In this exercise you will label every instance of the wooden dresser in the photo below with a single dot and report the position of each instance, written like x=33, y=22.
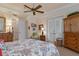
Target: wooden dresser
x=7, y=37
x=71, y=40
x=71, y=32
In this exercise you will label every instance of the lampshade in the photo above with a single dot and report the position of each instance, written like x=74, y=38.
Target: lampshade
x=42, y=29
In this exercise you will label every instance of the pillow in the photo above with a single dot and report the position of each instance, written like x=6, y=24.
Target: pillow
x=4, y=50
x=2, y=44
x=0, y=52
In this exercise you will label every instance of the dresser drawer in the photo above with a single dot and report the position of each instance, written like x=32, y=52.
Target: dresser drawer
x=6, y=37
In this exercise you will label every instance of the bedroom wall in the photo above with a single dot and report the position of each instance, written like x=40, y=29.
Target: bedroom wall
x=36, y=21
x=30, y=21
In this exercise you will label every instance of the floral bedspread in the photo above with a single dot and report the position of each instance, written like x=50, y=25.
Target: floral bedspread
x=31, y=47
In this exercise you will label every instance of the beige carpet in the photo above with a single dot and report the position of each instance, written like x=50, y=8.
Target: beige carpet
x=67, y=52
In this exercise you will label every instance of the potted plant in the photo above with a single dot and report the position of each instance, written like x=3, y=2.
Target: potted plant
x=34, y=35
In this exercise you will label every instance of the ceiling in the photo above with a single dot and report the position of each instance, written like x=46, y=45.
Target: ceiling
x=19, y=7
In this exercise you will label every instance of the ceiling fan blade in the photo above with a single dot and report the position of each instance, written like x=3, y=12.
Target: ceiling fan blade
x=27, y=6
x=27, y=11
x=39, y=6
x=40, y=11
x=34, y=13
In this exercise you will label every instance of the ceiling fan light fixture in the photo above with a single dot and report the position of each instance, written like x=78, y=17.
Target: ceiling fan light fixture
x=34, y=9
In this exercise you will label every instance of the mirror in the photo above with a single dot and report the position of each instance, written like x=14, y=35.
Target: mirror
x=2, y=24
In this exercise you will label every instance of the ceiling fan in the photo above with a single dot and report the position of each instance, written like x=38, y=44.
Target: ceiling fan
x=34, y=9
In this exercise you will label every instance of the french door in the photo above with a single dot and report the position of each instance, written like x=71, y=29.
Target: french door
x=55, y=28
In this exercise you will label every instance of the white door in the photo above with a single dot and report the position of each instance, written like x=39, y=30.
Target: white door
x=51, y=30
x=54, y=29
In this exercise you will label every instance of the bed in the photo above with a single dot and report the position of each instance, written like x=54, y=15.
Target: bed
x=30, y=47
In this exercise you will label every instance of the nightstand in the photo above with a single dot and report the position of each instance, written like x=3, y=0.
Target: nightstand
x=42, y=37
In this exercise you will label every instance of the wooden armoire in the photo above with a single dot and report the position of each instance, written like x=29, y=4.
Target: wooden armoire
x=71, y=32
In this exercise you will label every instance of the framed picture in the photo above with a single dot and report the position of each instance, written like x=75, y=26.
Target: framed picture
x=34, y=29
x=33, y=25
x=40, y=26
x=2, y=24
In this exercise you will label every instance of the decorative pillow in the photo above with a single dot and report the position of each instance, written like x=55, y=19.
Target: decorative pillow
x=0, y=52
x=2, y=44
x=4, y=50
